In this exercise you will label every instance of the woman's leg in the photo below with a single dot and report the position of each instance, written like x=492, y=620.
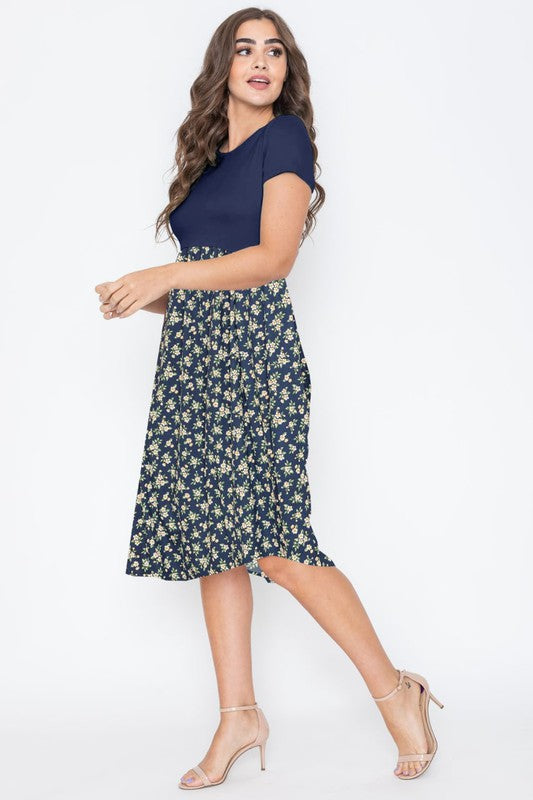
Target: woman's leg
x=332, y=600
x=227, y=605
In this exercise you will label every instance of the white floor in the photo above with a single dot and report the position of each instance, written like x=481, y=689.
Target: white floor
x=102, y=752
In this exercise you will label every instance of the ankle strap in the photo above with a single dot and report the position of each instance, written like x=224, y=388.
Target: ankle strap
x=238, y=708
x=396, y=689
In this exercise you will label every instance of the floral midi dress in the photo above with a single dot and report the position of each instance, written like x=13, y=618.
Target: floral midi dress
x=223, y=477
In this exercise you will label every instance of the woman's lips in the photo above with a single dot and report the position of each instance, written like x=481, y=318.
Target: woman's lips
x=257, y=84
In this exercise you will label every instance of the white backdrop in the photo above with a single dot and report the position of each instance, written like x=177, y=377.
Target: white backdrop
x=413, y=304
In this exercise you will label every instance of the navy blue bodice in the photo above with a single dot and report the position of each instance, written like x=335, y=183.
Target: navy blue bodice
x=223, y=207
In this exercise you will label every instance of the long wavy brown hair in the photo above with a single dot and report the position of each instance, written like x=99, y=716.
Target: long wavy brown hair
x=206, y=125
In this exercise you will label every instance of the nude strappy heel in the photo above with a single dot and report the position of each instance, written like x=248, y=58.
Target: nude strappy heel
x=425, y=696
x=259, y=741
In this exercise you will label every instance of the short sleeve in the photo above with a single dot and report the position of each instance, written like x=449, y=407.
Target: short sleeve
x=288, y=148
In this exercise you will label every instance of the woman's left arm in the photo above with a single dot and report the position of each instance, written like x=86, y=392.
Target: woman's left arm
x=284, y=209
x=158, y=306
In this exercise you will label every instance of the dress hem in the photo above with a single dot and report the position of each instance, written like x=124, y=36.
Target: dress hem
x=248, y=563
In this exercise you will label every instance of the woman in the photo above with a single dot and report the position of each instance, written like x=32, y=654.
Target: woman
x=223, y=491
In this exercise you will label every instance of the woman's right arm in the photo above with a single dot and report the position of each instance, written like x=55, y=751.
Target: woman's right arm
x=158, y=306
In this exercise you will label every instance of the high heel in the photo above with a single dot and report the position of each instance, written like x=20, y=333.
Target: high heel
x=425, y=697
x=259, y=741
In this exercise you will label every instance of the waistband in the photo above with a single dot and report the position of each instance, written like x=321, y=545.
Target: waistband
x=198, y=252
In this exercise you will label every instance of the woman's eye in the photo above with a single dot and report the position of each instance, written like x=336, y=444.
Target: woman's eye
x=277, y=50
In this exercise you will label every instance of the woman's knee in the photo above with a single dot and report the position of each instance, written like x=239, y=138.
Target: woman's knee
x=277, y=568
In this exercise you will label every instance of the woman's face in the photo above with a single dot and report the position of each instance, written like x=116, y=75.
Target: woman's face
x=258, y=53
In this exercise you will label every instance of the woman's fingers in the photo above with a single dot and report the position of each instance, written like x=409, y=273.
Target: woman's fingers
x=135, y=306
x=108, y=289
x=122, y=303
x=107, y=311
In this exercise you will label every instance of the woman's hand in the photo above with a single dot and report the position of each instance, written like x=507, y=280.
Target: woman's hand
x=131, y=292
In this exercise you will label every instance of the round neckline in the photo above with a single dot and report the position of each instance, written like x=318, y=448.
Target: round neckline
x=248, y=138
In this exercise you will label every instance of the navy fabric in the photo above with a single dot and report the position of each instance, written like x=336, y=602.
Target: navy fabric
x=223, y=207
x=223, y=479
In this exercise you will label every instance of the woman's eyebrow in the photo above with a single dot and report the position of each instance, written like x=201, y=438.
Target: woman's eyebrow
x=252, y=41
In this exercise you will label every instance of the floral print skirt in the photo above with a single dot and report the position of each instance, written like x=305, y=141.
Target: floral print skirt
x=223, y=477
